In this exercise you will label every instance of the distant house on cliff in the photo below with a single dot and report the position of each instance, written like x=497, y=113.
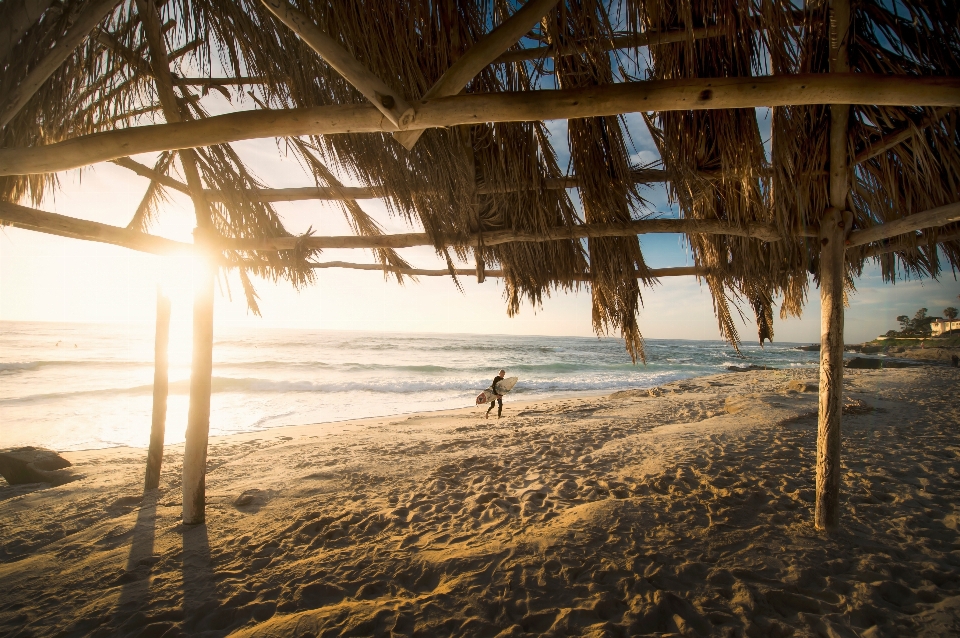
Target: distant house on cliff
x=941, y=326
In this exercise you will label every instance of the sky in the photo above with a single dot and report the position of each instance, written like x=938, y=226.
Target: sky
x=47, y=278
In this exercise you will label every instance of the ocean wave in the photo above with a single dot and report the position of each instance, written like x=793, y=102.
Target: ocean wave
x=457, y=385
x=13, y=367
x=19, y=366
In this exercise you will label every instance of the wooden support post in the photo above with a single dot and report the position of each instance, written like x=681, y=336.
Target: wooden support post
x=198, y=417
x=198, y=414
x=160, y=388
x=834, y=228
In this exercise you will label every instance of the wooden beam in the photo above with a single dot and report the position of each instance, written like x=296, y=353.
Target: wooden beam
x=894, y=138
x=650, y=38
x=940, y=216
x=149, y=173
x=63, y=226
x=185, y=49
x=610, y=99
x=680, y=271
x=885, y=248
x=647, y=39
x=135, y=61
x=90, y=16
x=764, y=232
x=21, y=15
x=480, y=56
x=640, y=176
x=177, y=81
x=389, y=102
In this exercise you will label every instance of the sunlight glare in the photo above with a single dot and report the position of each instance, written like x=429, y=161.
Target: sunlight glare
x=178, y=278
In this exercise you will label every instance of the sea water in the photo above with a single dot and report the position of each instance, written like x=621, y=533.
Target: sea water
x=79, y=386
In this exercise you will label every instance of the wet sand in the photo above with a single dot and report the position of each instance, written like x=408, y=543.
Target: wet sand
x=684, y=511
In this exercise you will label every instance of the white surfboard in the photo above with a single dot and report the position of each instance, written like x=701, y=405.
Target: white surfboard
x=504, y=386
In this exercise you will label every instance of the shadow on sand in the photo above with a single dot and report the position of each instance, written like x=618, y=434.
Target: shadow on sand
x=135, y=579
x=201, y=604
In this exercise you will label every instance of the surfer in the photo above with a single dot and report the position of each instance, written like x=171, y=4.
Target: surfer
x=499, y=400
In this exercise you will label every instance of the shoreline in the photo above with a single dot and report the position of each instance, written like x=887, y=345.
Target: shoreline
x=627, y=513
x=574, y=394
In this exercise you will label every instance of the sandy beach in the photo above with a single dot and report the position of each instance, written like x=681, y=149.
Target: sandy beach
x=685, y=510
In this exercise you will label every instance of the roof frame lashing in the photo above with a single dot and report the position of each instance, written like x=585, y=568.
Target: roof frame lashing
x=388, y=101
x=479, y=56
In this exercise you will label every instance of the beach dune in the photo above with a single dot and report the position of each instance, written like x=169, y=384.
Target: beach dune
x=686, y=510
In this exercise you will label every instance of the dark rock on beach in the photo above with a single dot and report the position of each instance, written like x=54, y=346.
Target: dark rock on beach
x=811, y=348
x=34, y=465
x=749, y=368
x=863, y=363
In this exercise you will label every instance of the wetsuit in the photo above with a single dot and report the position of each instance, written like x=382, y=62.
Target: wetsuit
x=499, y=400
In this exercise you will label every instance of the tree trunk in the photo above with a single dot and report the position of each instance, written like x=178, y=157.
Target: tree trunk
x=160, y=388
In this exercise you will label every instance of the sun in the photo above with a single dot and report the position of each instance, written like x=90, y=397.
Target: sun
x=178, y=278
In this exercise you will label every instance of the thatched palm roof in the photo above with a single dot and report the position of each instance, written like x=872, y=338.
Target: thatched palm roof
x=466, y=181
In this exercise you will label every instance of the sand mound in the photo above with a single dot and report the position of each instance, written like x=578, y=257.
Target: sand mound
x=681, y=514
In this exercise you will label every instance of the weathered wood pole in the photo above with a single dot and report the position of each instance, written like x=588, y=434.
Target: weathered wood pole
x=160, y=390
x=198, y=416
x=834, y=228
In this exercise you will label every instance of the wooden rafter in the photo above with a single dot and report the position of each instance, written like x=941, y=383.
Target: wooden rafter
x=149, y=173
x=899, y=136
x=611, y=99
x=217, y=81
x=886, y=248
x=650, y=38
x=940, y=216
x=764, y=232
x=643, y=175
x=89, y=17
x=480, y=55
x=133, y=60
x=679, y=271
x=185, y=49
x=389, y=102
x=54, y=224
x=25, y=14
x=64, y=226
